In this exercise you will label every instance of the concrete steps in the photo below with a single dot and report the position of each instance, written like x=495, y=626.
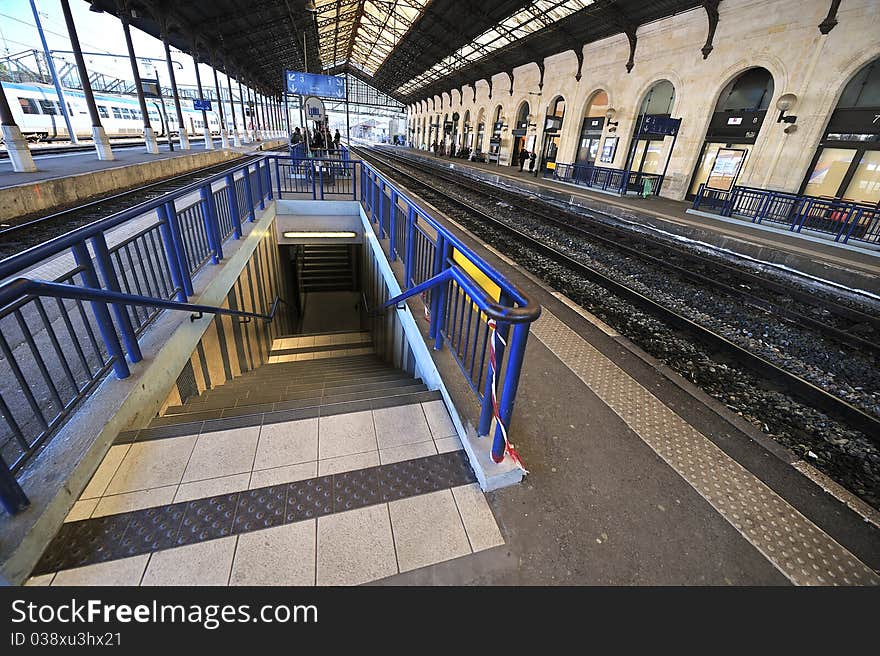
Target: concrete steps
x=320, y=384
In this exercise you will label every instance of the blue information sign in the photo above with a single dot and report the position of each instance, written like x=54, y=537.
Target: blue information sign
x=310, y=84
x=660, y=125
x=198, y=103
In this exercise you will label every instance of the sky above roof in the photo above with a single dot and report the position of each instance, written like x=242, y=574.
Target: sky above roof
x=98, y=33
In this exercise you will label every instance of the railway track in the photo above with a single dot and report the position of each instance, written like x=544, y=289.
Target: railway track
x=774, y=376
x=21, y=236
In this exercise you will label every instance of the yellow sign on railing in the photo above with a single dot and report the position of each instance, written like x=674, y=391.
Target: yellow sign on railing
x=493, y=290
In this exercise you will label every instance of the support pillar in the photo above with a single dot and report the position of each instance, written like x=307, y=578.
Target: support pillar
x=181, y=127
x=244, y=123
x=236, y=137
x=206, y=127
x=150, y=142
x=224, y=135
x=102, y=144
x=16, y=145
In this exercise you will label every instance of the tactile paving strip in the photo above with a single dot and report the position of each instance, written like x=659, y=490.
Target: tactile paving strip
x=798, y=548
x=111, y=537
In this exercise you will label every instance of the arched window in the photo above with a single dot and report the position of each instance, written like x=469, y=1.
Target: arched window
x=737, y=120
x=552, y=130
x=847, y=162
x=649, y=156
x=591, y=127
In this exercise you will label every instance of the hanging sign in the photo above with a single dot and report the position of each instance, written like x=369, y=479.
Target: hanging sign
x=655, y=124
x=725, y=169
x=552, y=124
x=310, y=84
x=201, y=104
x=314, y=109
x=150, y=88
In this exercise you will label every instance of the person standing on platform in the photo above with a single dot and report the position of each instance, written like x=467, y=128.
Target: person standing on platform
x=523, y=156
x=296, y=137
x=336, y=139
x=435, y=147
x=532, y=157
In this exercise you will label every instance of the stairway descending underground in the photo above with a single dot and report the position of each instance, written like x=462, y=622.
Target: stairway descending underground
x=306, y=371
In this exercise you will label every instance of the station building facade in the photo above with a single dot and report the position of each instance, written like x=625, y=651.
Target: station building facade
x=764, y=56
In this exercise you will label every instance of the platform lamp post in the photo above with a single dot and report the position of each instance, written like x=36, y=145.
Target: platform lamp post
x=51, y=64
x=150, y=142
x=224, y=135
x=16, y=145
x=99, y=137
x=181, y=128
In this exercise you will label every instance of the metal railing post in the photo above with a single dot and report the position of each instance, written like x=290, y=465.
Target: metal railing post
x=249, y=194
x=278, y=176
x=392, y=221
x=12, y=497
x=268, y=174
x=171, y=253
x=321, y=180
x=209, y=216
x=108, y=273
x=179, y=247
x=438, y=294
x=311, y=173
x=486, y=407
x=258, y=176
x=102, y=314
x=381, y=186
x=232, y=200
x=410, y=239
x=511, y=382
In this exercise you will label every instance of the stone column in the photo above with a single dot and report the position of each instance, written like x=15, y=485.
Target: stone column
x=16, y=145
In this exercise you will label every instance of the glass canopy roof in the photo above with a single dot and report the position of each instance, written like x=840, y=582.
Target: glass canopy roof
x=536, y=16
x=363, y=32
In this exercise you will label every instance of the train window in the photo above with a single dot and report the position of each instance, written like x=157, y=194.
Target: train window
x=28, y=106
x=116, y=112
x=49, y=107
x=102, y=112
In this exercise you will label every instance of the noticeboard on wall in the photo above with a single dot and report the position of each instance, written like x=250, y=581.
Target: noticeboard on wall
x=609, y=149
x=725, y=168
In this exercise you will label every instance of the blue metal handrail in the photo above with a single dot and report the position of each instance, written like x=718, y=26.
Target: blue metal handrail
x=14, y=264
x=12, y=497
x=20, y=288
x=607, y=178
x=53, y=354
x=842, y=219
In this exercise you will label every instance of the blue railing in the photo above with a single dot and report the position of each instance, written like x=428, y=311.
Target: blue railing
x=841, y=219
x=617, y=181
x=55, y=349
x=459, y=307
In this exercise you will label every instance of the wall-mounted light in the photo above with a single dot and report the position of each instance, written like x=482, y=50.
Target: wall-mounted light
x=785, y=102
x=610, y=114
x=307, y=234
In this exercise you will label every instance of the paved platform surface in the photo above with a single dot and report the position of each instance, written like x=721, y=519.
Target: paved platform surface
x=765, y=242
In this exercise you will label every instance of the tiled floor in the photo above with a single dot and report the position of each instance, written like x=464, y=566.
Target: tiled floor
x=348, y=548
x=162, y=471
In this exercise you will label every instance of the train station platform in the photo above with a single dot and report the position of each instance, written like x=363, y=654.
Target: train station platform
x=65, y=179
x=271, y=456
x=851, y=265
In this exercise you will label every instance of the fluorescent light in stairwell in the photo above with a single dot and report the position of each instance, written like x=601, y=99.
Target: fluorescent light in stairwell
x=342, y=234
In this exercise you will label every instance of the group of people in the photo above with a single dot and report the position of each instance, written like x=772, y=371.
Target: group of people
x=318, y=139
x=526, y=156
